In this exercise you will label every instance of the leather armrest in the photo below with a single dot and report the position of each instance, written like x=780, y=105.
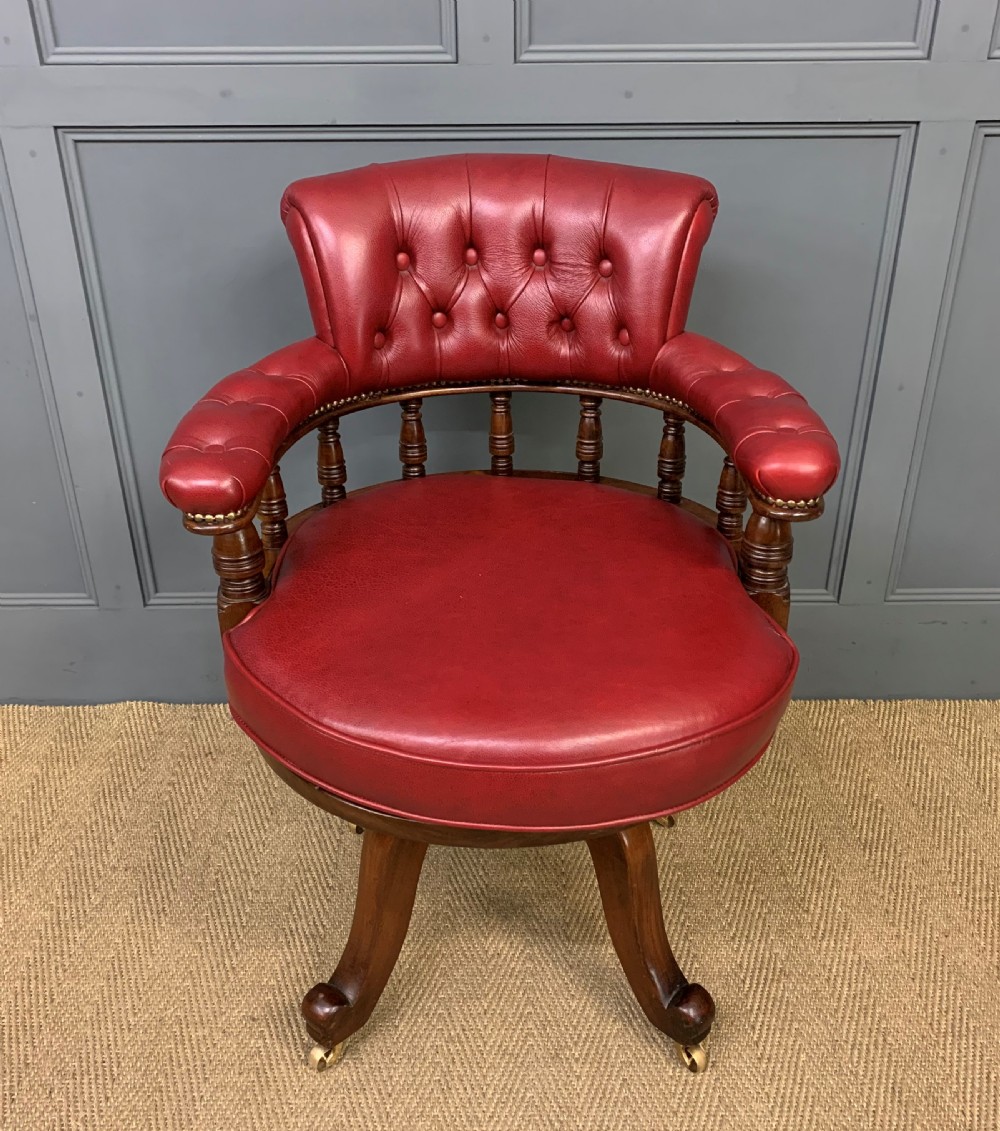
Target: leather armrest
x=223, y=450
x=780, y=446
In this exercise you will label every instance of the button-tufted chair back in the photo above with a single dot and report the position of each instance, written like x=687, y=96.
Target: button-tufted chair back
x=426, y=658
x=492, y=266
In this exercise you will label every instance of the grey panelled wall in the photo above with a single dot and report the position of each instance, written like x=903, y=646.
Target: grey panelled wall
x=141, y=257
x=959, y=439
x=725, y=29
x=247, y=290
x=37, y=511
x=254, y=30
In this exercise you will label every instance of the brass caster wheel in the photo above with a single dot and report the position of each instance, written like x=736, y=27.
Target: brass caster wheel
x=667, y=822
x=693, y=1057
x=320, y=1058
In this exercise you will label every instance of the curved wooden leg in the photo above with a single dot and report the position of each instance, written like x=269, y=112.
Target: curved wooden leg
x=387, y=885
x=625, y=862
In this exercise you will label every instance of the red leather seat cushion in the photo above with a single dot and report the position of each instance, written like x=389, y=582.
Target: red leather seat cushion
x=510, y=653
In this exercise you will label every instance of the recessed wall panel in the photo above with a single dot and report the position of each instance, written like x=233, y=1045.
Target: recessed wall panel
x=725, y=28
x=951, y=540
x=379, y=29
x=39, y=560
x=192, y=277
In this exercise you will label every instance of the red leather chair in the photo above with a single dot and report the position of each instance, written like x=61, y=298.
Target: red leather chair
x=503, y=658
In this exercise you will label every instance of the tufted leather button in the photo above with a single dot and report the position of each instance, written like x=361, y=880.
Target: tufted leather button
x=439, y=318
x=623, y=336
x=471, y=256
x=604, y=267
x=501, y=320
x=402, y=260
x=379, y=340
x=567, y=324
x=538, y=257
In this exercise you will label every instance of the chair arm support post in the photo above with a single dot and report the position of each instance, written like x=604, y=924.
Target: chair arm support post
x=238, y=558
x=765, y=552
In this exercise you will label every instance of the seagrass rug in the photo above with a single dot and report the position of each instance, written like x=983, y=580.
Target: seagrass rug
x=166, y=901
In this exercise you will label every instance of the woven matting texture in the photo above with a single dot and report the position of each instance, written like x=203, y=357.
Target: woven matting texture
x=167, y=900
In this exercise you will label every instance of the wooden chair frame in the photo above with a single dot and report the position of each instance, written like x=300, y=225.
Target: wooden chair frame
x=393, y=849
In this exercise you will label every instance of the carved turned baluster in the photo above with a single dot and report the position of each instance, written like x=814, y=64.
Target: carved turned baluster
x=501, y=435
x=412, y=442
x=731, y=502
x=589, y=443
x=238, y=558
x=273, y=511
x=765, y=553
x=670, y=465
x=330, y=467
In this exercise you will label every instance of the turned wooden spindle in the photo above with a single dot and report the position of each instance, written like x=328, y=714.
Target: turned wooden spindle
x=330, y=467
x=412, y=442
x=670, y=465
x=501, y=435
x=273, y=511
x=589, y=443
x=731, y=502
x=765, y=553
x=238, y=558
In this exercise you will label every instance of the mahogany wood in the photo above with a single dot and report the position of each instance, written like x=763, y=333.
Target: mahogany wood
x=625, y=863
x=412, y=442
x=425, y=831
x=393, y=848
x=765, y=553
x=330, y=467
x=238, y=558
x=731, y=503
x=273, y=512
x=589, y=441
x=670, y=466
x=501, y=434
x=785, y=512
x=387, y=886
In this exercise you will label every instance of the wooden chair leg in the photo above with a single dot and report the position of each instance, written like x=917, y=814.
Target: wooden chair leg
x=625, y=862
x=387, y=886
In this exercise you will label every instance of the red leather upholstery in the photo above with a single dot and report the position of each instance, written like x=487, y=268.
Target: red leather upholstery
x=779, y=444
x=492, y=267
x=222, y=452
x=510, y=653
